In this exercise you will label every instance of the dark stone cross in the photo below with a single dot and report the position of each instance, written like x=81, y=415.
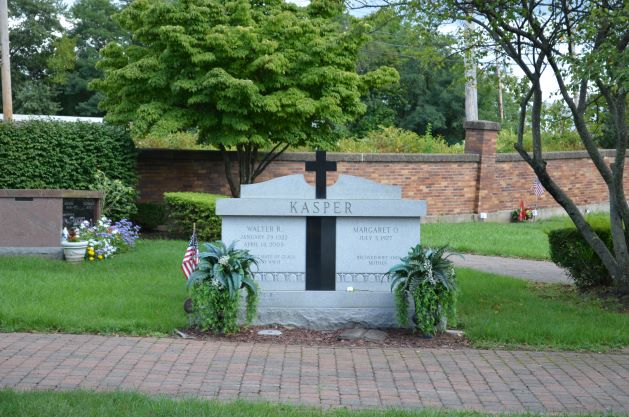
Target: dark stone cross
x=321, y=167
x=320, y=234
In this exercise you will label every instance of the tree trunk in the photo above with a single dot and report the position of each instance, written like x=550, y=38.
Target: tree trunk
x=532, y=44
x=234, y=186
x=249, y=168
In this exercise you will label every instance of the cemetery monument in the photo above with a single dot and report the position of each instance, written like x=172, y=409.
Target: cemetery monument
x=323, y=250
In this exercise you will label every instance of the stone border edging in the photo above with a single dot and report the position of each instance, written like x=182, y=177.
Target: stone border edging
x=210, y=155
x=185, y=154
x=515, y=157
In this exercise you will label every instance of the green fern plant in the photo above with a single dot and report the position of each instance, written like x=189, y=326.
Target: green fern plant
x=215, y=287
x=427, y=277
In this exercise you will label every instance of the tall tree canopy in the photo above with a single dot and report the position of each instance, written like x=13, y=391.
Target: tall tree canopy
x=431, y=92
x=94, y=27
x=244, y=74
x=36, y=24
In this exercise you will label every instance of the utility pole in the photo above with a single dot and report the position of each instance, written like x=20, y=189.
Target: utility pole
x=471, y=99
x=501, y=112
x=7, y=101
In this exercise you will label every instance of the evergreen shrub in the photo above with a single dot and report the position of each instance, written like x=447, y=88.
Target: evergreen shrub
x=149, y=216
x=569, y=250
x=185, y=209
x=52, y=155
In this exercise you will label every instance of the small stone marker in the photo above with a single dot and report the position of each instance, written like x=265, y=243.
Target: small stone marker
x=352, y=334
x=270, y=332
x=183, y=335
x=358, y=333
x=375, y=335
x=458, y=333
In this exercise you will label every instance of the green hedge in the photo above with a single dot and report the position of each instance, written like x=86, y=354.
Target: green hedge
x=49, y=154
x=149, y=216
x=569, y=250
x=184, y=209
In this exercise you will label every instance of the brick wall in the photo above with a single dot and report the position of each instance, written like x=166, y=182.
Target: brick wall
x=476, y=181
x=573, y=171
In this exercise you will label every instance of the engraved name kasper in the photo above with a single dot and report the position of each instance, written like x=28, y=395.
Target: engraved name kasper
x=320, y=207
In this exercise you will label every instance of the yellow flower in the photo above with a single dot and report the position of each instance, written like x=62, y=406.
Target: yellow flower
x=91, y=258
x=100, y=257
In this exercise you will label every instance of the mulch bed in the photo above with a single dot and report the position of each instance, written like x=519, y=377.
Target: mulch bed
x=305, y=337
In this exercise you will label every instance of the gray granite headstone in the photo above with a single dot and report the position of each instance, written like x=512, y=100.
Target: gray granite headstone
x=374, y=228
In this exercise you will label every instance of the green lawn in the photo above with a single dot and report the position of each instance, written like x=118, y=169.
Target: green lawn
x=520, y=240
x=500, y=312
x=121, y=404
x=142, y=292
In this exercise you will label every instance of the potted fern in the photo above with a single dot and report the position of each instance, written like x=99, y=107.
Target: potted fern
x=215, y=287
x=427, y=277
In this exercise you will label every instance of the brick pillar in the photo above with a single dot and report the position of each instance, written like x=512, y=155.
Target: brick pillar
x=480, y=138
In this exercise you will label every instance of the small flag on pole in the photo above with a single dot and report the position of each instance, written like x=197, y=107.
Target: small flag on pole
x=538, y=188
x=191, y=257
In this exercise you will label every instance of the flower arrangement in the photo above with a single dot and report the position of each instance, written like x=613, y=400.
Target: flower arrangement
x=427, y=277
x=215, y=287
x=105, y=238
x=72, y=235
x=521, y=215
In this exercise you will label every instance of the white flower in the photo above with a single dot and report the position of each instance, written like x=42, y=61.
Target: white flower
x=224, y=260
x=104, y=222
x=428, y=266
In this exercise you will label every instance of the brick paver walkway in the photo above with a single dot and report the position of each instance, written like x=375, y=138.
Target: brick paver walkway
x=356, y=377
x=541, y=271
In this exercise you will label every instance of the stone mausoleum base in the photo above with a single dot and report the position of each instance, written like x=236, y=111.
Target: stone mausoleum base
x=320, y=310
x=53, y=252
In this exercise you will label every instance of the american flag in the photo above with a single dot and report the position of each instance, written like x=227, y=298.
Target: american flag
x=190, y=259
x=538, y=188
